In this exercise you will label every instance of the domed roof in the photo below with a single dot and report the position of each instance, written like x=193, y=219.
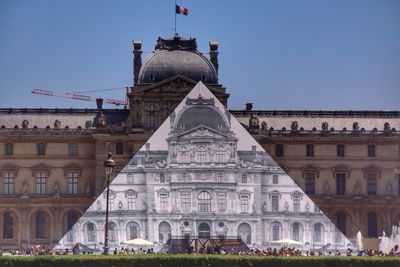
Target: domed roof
x=201, y=115
x=177, y=56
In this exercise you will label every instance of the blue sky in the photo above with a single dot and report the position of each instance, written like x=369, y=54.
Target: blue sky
x=278, y=54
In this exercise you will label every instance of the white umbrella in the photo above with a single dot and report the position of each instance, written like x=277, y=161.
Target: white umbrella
x=287, y=241
x=138, y=242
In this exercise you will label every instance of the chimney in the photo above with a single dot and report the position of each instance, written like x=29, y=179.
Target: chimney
x=249, y=106
x=99, y=103
x=137, y=60
x=214, y=54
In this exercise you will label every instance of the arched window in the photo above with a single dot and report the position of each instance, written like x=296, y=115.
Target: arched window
x=202, y=154
x=72, y=217
x=244, y=232
x=164, y=232
x=341, y=221
x=132, y=230
x=112, y=232
x=296, y=231
x=8, y=224
x=90, y=232
x=318, y=232
x=151, y=118
x=204, y=230
x=276, y=231
x=204, y=199
x=244, y=178
x=372, y=225
x=220, y=155
x=40, y=225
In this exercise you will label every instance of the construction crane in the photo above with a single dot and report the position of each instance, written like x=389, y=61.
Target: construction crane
x=80, y=96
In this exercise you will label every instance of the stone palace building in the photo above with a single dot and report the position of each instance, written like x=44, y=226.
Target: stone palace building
x=51, y=160
x=204, y=178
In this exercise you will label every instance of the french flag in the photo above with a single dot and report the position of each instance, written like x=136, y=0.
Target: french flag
x=181, y=10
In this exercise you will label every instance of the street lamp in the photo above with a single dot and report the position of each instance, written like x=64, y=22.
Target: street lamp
x=109, y=165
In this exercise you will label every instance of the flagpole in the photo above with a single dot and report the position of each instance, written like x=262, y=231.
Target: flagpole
x=175, y=19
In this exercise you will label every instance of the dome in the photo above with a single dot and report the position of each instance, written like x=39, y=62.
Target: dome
x=177, y=56
x=201, y=115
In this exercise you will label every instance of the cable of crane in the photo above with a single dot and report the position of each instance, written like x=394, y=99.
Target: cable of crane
x=99, y=90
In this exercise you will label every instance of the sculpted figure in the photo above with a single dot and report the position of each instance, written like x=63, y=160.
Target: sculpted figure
x=57, y=124
x=386, y=127
x=88, y=124
x=357, y=188
x=254, y=122
x=56, y=188
x=25, y=124
x=264, y=126
x=25, y=188
x=101, y=120
x=325, y=126
x=265, y=206
x=294, y=126
x=326, y=188
x=389, y=188
x=356, y=127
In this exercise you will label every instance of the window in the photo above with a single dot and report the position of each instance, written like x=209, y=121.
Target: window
x=112, y=230
x=151, y=119
x=244, y=203
x=164, y=232
x=91, y=233
x=340, y=150
x=8, y=183
x=184, y=154
x=202, y=154
x=244, y=232
x=41, y=182
x=244, y=178
x=162, y=178
x=184, y=177
x=129, y=178
x=111, y=201
x=40, y=225
x=341, y=221
x=185, y=201
x=72, y=182
x=133, y=230
x=310, y=150
x=371, y=184
x=296, y=203
x=9, y=149
x=163, y=201
x=275, y=203
x=296, y=231
x=221, y=202
x=275, y=179
x=72, y=149
x=220, y=154
x=204, y=199
x=220, y=177
x=372, y=225
x=119, y=148
x=8, y=224
x=131, y=200
x=276, y=229
x=72, y=217
x=371, y=151
x=340, y=183
x=41, y=149
x=317, y=232
x=279, y=150
x=310, y=183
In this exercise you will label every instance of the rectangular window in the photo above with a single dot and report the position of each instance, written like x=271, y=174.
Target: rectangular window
x=8, y=184
x=371, y=184
x=310, y=183
x=185, y=201
x=340, y=150
x=111, y=202
x=296, y=203
x=340, y=183
x=41, y=149
x=371, y=151
x=279, y=150
x=310, y=150
x=275, y=179
x=163, y=201
x=119, y=148
x=222, y=202
x=9, y=149
x=131, y=201
x=129, y=178
x=72, y=182
x=275, y=203
x=41, y=182
x=244, y=203
x=72, y=149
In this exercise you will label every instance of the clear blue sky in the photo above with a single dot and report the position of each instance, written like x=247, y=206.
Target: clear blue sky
x=278, y=54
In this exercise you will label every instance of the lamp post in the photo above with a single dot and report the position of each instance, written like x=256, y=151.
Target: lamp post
x=109, y=165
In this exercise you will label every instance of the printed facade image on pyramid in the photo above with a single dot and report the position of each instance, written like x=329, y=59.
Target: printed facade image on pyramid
x=202, y=175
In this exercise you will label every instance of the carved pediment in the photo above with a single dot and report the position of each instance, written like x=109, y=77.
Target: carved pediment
x=311, y=168
x=372, y=168
x=40, y=167
x=72, y=167
x=202, y=131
